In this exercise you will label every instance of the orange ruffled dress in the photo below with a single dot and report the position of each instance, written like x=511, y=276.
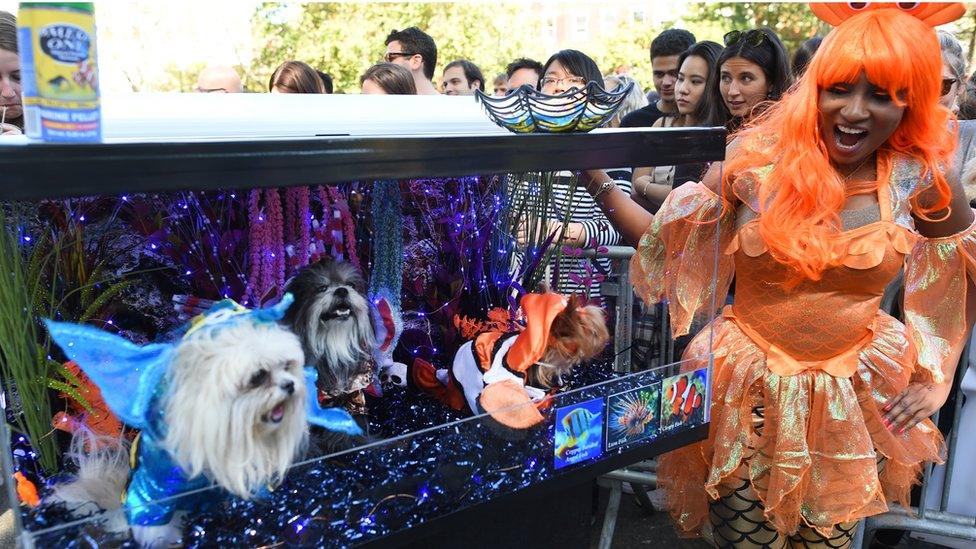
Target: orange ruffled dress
x=820, y=359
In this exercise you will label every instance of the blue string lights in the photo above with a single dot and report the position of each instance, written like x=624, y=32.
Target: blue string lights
x=438, y=248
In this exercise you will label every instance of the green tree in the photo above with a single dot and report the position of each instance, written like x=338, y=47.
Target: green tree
x=794, y=23
x=344, y=39
x=629, y=46
x=966, y=33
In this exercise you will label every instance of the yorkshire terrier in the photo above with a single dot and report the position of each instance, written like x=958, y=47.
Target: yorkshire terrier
x=331, y=316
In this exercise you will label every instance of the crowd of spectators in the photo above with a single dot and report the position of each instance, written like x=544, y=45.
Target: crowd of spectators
x=695, y=83
x=752, y=69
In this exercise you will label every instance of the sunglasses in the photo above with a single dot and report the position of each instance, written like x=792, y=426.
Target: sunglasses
x=394, y=54
x=752, y=37
x=947, y=84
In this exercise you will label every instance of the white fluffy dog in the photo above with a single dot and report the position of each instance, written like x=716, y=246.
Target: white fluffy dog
x=228, y=407
x=235, y=410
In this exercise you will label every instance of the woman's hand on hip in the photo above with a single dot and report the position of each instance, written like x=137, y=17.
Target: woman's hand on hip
x=915, y=403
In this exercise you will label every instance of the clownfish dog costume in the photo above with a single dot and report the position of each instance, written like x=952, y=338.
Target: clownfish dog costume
x=501, y=373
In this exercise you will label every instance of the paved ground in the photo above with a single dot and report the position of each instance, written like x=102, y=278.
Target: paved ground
x=636, y=528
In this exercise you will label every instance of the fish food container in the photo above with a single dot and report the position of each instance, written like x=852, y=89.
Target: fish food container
x=59, y=71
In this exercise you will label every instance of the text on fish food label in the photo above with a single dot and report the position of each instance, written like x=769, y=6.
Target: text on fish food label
x=70, y=116
x=65, y=43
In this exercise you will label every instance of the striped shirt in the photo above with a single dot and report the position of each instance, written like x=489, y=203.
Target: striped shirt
x=597, y=231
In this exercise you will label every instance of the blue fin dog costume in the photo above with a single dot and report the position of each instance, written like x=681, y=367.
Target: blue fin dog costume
x=141, y=384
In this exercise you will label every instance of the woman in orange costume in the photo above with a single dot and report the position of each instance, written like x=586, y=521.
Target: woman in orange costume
x=819, y=400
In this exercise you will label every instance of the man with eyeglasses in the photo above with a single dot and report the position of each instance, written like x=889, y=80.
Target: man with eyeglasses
x=665, y=50
x=219, y=79
x=415, y=50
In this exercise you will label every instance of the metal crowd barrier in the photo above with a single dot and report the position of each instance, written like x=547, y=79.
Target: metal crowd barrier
x=920, y=518
x=639, y=475
x=623, y=292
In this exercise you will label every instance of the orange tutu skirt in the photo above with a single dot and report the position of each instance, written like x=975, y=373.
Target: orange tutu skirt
x=815, y=460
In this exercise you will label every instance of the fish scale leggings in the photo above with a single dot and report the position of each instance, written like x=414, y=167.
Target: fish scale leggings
x=737, y=520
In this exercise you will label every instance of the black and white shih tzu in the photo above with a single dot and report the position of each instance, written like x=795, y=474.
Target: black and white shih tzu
x=331, y=316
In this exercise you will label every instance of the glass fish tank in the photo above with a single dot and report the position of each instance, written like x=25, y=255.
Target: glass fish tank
x=333, y=331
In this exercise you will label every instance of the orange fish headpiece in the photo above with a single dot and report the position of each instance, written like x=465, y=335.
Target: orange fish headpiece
x=540, y=312
x=930, y=13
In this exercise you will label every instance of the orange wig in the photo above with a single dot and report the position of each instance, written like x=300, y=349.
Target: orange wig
x=802, y=196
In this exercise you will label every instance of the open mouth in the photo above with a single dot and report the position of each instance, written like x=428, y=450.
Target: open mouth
x=848, y=138
x=341, y=312
x=275, y=415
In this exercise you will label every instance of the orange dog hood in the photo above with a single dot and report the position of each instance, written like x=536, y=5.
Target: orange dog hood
x=540, y=310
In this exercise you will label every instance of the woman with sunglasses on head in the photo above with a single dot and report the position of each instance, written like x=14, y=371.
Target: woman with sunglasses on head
x=564, y=73
x=753, y=70
x=953, y=71
x=819, y=399
x=696, y=107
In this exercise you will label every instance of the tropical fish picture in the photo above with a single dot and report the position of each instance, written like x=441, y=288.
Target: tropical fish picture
x=683, y=400
x=579, y=432
x=634, y=416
